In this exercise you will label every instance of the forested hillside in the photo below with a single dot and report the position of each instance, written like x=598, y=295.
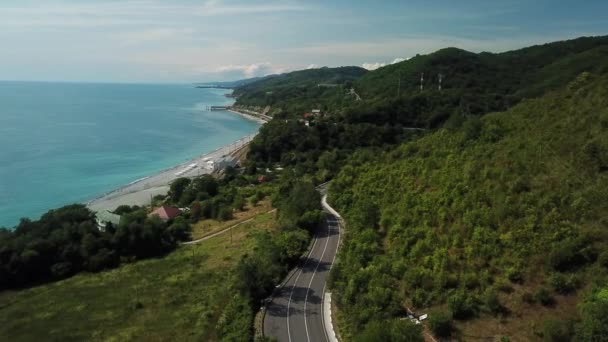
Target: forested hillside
x=471, y=84
x=477, y=83
x=500, y=223
x=298, y=90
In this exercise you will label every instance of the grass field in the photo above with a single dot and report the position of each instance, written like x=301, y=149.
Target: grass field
x=175, y=298
x=207, y=227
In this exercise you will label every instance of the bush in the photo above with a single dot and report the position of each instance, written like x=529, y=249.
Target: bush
x=236, y=321
x=515, y=275
x=462, y=305
x=603, y=259
x=544, y=297
x=238, y=203
x=472, y=128
x=224, y=214
x=557, y=331
x=492, y=303
x=566, y=255
x=563, y=283
x=441, y=323
x=391, y=331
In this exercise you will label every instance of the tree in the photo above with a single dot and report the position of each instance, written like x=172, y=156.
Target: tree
x=224, y=213
x=177, y=188
x=207, y=184
x=462, y=305
x=557, y=331
x=441, y=323
x=594, y=317
x=195, y=211
x=180, y=229
x=238, y=203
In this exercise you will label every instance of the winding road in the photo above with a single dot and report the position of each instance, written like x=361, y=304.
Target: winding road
x=296, y=311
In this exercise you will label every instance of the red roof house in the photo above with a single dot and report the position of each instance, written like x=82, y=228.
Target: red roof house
x=165, y=212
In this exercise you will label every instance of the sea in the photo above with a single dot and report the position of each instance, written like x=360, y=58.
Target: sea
x=63, y=143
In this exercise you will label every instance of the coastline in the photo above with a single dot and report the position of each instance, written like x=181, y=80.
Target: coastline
x=257, y=117
x=140, y=192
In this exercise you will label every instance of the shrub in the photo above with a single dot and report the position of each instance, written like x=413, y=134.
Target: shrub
x=563, y=283
x=503, y=285
x=566, y=255
x=472, y=128
x=462, y=305
x=441, y=323
x=389, y=331
x=544, y=297
x=492, y=303
x=514, y=274
x=603, y=259
x=557, y=331
x=419, y=298
x=224, y=214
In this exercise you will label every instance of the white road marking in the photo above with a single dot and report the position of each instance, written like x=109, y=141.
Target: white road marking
x=294, y=285
x=313, y=277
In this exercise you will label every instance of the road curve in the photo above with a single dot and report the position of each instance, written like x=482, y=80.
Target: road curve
x=295, y=312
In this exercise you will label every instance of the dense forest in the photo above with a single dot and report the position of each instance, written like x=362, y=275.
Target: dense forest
x=299, y=213
x=471, y=84
x=67, y=240
x=474, y=84
x=476, y=217
x=486, y=219
x=299, y=90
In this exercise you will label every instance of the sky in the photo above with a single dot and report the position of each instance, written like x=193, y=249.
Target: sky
x=161, y=41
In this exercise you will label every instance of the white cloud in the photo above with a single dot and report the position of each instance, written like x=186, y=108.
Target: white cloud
x=218, y=7
x=312, y=66
x=250, y=70
x=399, y=60
x=372, y=66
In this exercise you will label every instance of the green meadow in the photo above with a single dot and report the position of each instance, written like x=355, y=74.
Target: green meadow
x=178, y=297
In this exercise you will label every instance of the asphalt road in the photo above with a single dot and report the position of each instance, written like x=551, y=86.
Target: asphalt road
x=296, y=310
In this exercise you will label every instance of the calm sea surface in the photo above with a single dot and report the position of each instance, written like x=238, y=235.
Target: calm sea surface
x=62, y=143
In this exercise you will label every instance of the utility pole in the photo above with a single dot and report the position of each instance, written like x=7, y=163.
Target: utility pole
x=421, y=81
x=440, y=80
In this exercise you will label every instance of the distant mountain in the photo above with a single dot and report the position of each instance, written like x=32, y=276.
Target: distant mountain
x=300, y=85
x=229, y=84
x=523, y=73
x=472, y=83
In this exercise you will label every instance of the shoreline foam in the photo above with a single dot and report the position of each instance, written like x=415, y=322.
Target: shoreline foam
x=140, y=192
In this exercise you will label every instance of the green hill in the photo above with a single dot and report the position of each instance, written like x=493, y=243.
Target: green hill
x=478, y=83
x=186, y=295
x=296, y=90
x=501, y=223
x=471, y=83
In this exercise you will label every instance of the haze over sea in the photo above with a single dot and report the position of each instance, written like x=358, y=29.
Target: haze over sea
x=62, y=143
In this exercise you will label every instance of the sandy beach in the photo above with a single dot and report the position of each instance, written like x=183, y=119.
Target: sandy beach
x=142, y=191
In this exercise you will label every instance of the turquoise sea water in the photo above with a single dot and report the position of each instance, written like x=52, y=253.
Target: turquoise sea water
x=62, y=143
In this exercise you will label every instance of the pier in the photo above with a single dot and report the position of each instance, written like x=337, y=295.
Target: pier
x=212, y=108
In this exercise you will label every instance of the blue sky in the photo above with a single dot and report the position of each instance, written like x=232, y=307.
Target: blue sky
x=188, y=40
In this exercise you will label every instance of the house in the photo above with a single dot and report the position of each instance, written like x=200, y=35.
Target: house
x=308, y=115
x=105, y=217
x=165, y=212
x=316, y=112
